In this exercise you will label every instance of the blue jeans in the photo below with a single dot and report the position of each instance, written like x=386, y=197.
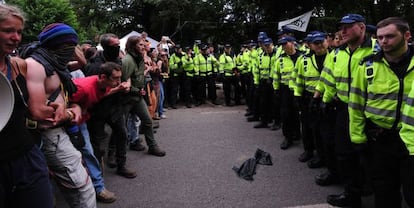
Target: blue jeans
x=90, y=161
x=133, y=123
x=161, y=99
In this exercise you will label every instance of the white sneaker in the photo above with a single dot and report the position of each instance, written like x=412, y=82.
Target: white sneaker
x=163, y=116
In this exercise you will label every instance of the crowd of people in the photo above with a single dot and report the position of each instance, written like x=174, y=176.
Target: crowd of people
x=346, y=95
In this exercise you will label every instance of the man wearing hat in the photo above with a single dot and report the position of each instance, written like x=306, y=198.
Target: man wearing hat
x=200, y=64
x=337, y=77
x=190, y=82
x=309, y=68
x=283, y=85
x=265, y=89
x=49, y=85
x=253, y=105
x=227, y=69
x=177, y=75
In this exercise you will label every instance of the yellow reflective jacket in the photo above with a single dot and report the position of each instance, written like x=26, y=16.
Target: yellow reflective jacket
x=377, y=94
x=337, y=73
x=407, y=118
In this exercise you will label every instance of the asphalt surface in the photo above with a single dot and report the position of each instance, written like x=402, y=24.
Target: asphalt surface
x=202, y=145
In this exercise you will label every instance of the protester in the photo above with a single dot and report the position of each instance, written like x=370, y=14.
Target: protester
x=24, y=179
x=49, y=83
x=133, y=67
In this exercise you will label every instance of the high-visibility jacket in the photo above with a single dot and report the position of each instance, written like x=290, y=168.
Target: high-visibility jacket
x=377, y=94
x=283, y=71
x=255, y=60
x=246, y=61
x=265, y=66
x=212, y=65
x=307, y=77
x=188, y=65
x=239, y=62
x=227, y=65
x=200, y=64
x=337, y=73
x=407, y=118
x=176, y=65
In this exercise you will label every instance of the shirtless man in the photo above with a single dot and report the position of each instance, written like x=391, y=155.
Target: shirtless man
x=49, y=85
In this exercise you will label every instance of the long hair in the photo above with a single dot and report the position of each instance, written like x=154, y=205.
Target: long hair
x=130, y=46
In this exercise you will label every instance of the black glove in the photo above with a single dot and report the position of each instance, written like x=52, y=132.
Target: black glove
x=76, y=136
x=314, y=104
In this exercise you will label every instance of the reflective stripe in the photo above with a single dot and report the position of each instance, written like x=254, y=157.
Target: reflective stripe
x=407, y=119
x=312, y=78
x=328, y=83
x=356, y=106
x=392, y=96
x=310, y=88
x=302, y=77
x=342, y=79
x=381, y=112
x=342, y=92
x=358, y=91
x=410, y=102
x=328, y=71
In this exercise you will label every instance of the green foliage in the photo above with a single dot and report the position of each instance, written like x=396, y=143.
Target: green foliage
x=40, y=13
x=211, y=21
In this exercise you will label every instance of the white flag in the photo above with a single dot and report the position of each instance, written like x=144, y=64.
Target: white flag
x=299, y=23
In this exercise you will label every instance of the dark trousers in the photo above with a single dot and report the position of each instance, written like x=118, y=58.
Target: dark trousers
x=327, y=134
x=390, y=168
x=177, y=89
x=24, y=181
x=265, y=99
x=118, y=139
x=348, y=159
x=289, y=114
x=228, y=82
x=244, y=85
x=310, y=126
x=188, y=86
x=202, y=82
x=211, y=85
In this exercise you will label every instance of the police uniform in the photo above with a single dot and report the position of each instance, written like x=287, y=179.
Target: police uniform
x=378, y=94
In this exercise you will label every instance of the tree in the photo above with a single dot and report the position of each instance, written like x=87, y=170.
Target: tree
x=40, y=13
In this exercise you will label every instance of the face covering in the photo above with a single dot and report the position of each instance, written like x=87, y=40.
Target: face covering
x=111, y=52
x=64, y=55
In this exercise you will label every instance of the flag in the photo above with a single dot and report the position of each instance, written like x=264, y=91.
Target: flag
x=299, y=23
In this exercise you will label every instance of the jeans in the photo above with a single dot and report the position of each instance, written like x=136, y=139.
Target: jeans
x=161, y=99
x=65, y=164
x=24, y=181
x=90, y=161
x=133, y=124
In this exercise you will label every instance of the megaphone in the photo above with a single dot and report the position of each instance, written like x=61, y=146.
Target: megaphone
x=6, y=100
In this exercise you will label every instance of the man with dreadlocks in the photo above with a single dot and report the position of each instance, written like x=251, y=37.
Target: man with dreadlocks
x=49, y=85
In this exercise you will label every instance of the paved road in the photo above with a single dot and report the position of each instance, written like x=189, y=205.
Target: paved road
x=203, y=144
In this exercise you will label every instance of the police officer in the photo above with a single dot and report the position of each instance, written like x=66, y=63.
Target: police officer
x=265, y=88
x=337, y=76
x=177, y=74
x=189, y=76
x=309, y=67
x=378, y=93
x=201, y=65
x=230, y=73
x=212, y=70
x=283, y=84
